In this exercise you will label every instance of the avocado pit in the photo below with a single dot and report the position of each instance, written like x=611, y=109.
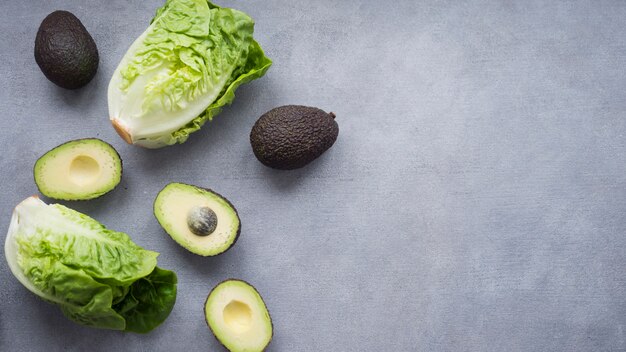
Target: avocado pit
x=202, y=221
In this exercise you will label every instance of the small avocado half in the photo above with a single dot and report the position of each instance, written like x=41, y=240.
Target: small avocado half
x=200, y=220
x=65, y=51
x=238, y=317
x=291, y=136
x=78, y=170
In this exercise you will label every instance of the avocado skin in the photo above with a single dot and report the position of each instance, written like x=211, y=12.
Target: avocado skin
x=291, y=136
x=65, y=51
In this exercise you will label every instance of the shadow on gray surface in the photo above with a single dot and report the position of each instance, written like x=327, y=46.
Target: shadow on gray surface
x=198, y=144
x=97, y=207
x=212, y=268
x=286, y=180
x=83, y=97
x=54, y=328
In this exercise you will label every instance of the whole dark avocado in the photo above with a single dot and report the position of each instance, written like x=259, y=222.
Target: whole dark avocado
x=65, y=51
x=291, y=136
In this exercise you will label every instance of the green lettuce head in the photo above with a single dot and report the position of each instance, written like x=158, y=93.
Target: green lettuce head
x=181, y=71
x=98, y=277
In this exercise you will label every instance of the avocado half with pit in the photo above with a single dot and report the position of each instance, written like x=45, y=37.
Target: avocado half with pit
x=200, y=220
x=238, y=317
x=78, y=170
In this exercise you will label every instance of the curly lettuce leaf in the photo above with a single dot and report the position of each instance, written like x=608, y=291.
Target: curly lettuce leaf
x=91, y=272
x=83, y=299
x=182, y=70
x=149, y=301
x=256, y=66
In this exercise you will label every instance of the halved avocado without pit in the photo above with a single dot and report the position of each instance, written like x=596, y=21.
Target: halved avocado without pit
x=200, y=220
x=78, y=170
x=238, y=317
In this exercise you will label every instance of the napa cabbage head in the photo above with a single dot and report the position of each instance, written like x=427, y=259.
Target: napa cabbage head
x=181, y=71
x=98, y=277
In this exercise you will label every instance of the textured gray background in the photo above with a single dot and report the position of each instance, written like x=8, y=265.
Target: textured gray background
x=474, y=201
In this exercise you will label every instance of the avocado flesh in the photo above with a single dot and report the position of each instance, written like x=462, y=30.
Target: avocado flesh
x=78, y=170
x=172, y=207
x=65, y=51
x=238, y=317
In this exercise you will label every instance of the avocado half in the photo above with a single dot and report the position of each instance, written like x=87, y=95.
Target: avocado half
x=200, y=220
x=78, y=170
x=236, y=314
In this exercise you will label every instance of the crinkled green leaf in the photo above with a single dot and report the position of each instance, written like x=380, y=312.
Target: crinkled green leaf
x=183, y=69
x=149, y=301
x=97, y=276
x=256, y=67
x=78, y=241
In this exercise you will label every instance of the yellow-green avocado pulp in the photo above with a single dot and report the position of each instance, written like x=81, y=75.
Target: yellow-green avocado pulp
x=238, y=317
x=78, y=170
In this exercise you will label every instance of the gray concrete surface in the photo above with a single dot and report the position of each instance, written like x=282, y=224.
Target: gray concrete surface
x=474, y=201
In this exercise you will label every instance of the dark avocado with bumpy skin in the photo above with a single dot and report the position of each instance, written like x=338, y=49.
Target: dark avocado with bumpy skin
x=291, y=136
x=65, y=51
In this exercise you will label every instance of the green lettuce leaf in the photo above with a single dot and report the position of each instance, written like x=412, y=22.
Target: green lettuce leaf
x=76, y=240
x=81, y=298
x=182, y=70
x=91, y=272
x=149, y=300
x=256, y=67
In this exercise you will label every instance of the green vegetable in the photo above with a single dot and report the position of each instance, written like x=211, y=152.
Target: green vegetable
x=181, y=71
x=98, y=277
